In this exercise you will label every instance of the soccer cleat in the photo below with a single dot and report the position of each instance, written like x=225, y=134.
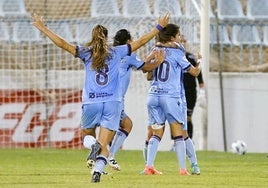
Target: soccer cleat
x=184, y=172
x=96, y=177
x=195, y=169
x=151, y=171
x=114, y=165
x=95, y=151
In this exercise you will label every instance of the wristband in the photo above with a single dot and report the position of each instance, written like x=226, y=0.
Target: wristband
x=159, y=27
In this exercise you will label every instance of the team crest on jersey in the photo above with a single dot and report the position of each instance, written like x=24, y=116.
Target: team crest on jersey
x=91, y=95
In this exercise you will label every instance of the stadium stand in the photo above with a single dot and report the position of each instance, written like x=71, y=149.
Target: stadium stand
x=83, y=31
x=163, y=6
x=194, y=8
x=25, y=32
x=13, y=8
x=245, y=35
x=265, y=36
x=63, y=29
x=4, y=32
x=230, y=10
x=223, y=35
x=257, y=9
x=142, y=8
x=110, y=8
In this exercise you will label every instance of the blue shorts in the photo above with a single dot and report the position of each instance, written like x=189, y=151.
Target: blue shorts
x=106, y=114
x=162, y=108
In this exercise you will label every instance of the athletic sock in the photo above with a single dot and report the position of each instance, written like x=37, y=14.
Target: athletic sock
x=118, y=141
x=89, y=141
x=152, y=149
x=190, y=150
x=145, y=149
x=180, y=149
x=100, y=163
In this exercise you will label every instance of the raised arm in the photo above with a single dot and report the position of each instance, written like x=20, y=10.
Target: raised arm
x=162, y=22
x=38, y=22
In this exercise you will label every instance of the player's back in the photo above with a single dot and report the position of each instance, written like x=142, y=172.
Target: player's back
x=103, y=85
x=168, y=76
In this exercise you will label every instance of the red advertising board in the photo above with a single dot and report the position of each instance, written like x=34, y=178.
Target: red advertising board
x=47, y=118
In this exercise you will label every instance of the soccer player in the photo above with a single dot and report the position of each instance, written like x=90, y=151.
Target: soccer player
x=101, y=93
x=190, y=87
x=165, y=98
x=128, y=63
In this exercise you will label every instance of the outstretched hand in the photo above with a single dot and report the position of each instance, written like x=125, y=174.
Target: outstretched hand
x=38, y=20
x=163, y=21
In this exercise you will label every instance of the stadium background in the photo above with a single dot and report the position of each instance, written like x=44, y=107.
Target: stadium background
x=40, y=85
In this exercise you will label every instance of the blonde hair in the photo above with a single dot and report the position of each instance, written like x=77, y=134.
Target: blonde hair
x=99, y=47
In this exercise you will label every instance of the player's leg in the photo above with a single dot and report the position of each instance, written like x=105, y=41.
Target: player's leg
x=190, y=149
x=108, y=125
x=118, y=140
x=190, y=101
x=145, y=149
x=157, y=120
x=89, y=120
x=175, y=117
x=89, y=137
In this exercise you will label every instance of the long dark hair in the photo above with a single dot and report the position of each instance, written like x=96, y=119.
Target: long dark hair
x=171, y=30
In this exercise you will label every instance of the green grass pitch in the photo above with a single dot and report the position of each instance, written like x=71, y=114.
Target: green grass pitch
x=51, y=168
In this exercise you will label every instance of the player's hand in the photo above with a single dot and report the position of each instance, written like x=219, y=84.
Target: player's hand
x=199, y=56
x=38, y=21
x=160, y=56
x=163, y=21
x=157, y=55
x=201, y=98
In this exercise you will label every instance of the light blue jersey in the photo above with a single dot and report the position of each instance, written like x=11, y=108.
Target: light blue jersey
x=127, y=64
x=168, y=74
x=102, y=86
x=101, y=92
x=165, y=94
x=126, y=67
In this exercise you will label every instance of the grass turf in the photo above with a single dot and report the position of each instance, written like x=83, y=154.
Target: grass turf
x=67, y=168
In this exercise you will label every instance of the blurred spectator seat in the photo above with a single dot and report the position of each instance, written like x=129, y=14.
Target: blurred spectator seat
x=4, y=32
x=245, y=35
x=163, y=6
x=265, y=35
x=192, y=32
x=193, y=9
x=25, y=32
x=13, y=8
x=230, y=10
x=136, y=8
x=83, y=32
x=223, y=35
x=104, y=8
x=63, y=29
x=257, y=9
